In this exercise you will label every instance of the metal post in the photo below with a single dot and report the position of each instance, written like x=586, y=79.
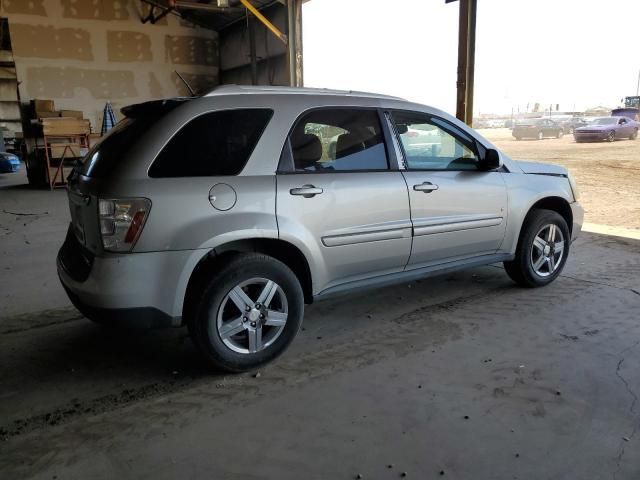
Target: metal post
x=252, y=50
x=471, y=60
x=466, y=60
x=291, y=47
x=294, y=35
x=463, y=43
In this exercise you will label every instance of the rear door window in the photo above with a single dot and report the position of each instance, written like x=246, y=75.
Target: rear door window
x=338, y=139
x=213, y=144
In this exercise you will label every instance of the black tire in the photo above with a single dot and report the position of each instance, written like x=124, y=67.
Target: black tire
x=518, y=138
x=611, y=137
x=204, y=331
x=560, y=133
x=570, y=130
x=521, y=269
x=634, y=135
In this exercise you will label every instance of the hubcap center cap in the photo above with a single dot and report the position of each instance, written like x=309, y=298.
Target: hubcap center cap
x=547, y=250
x=254, y=314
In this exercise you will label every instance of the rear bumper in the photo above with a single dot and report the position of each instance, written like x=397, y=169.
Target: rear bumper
x=136, y=317
x=137, y=289
x=577, y=212
x=525, y=133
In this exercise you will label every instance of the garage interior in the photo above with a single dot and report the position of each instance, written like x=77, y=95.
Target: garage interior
x=463, y=376
x=68, y=59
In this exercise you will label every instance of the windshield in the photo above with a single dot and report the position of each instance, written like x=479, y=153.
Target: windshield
x=605, y=121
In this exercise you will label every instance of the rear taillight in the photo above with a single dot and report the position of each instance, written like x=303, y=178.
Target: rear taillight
x=121, y=222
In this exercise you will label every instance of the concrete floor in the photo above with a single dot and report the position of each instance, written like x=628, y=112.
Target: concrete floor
x=465, y=376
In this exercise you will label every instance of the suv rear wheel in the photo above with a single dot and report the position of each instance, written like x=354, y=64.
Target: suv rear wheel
x=248, y=313
x=542, y=249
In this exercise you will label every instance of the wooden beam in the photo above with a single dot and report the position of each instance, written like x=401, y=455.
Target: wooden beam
x=466, y=60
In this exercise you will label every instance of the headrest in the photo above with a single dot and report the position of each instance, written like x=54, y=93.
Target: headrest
x=307, y=149
x=348, y=144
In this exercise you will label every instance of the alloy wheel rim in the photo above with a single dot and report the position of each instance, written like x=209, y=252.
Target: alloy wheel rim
x=252, y=315
x=548, y=250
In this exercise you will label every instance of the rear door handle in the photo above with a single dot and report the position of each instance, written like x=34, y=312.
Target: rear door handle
x=307, y=191
x=426, y=187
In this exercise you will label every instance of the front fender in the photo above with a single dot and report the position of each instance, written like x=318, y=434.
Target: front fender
x=524, y=191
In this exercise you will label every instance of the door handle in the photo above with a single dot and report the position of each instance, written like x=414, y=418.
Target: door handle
x=426, y=187
x=307, y=191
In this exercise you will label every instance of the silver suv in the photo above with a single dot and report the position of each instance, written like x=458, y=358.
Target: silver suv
x=230, y=211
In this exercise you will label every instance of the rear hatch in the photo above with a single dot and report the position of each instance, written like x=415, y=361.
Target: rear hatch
x=103, y=159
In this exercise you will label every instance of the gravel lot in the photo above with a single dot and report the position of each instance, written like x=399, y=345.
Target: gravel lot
x=608, y=174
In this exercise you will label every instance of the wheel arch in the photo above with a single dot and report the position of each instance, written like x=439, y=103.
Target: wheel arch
x=281, y=250
x=557, y=204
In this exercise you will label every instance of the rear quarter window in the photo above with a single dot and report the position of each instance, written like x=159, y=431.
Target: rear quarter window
x=213, y=144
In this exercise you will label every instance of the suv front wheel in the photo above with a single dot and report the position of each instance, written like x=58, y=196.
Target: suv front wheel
x=542, y=249
x=248, y=313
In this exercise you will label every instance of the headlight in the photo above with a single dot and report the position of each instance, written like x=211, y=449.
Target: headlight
x=574, y=187
x=121, y=222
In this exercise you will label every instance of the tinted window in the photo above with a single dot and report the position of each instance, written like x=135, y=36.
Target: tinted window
x=338, y=139
x=216, y=143
x=433, y=144
x=106, y=154
x=111, y=149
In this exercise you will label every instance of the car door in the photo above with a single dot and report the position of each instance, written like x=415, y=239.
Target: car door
x=338, y=199
x=550, y=129
x=623, y=129
x=457, y=209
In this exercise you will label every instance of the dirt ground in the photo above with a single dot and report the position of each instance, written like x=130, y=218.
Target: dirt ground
x=608, y=174
x=462, y=376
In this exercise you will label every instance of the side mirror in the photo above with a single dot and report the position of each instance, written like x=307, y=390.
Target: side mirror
x=401, y=128
x=491, y=160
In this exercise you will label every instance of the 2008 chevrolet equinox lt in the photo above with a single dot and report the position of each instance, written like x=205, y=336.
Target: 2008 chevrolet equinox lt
x=228, y=212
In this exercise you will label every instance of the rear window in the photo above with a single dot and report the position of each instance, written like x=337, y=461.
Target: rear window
x=105, y=155
x=213, y=144
x=109, y=151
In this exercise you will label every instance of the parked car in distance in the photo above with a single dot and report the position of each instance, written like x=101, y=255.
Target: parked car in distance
x=570, y=124
x=9, y=162
x=257, y=219
x=607, y=129
x=537, y=128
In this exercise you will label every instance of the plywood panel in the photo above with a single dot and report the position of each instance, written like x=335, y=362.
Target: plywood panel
x=188, y=50
x=64, y=82
x=26, y=7
x=65, y=126
x=125, y=46
x=45, y=41
x=96, y=9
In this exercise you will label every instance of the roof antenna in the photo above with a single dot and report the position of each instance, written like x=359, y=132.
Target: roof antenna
x=193, y=94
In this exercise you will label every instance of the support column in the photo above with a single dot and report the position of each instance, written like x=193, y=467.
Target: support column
x=466, y=60
x=294, y=48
